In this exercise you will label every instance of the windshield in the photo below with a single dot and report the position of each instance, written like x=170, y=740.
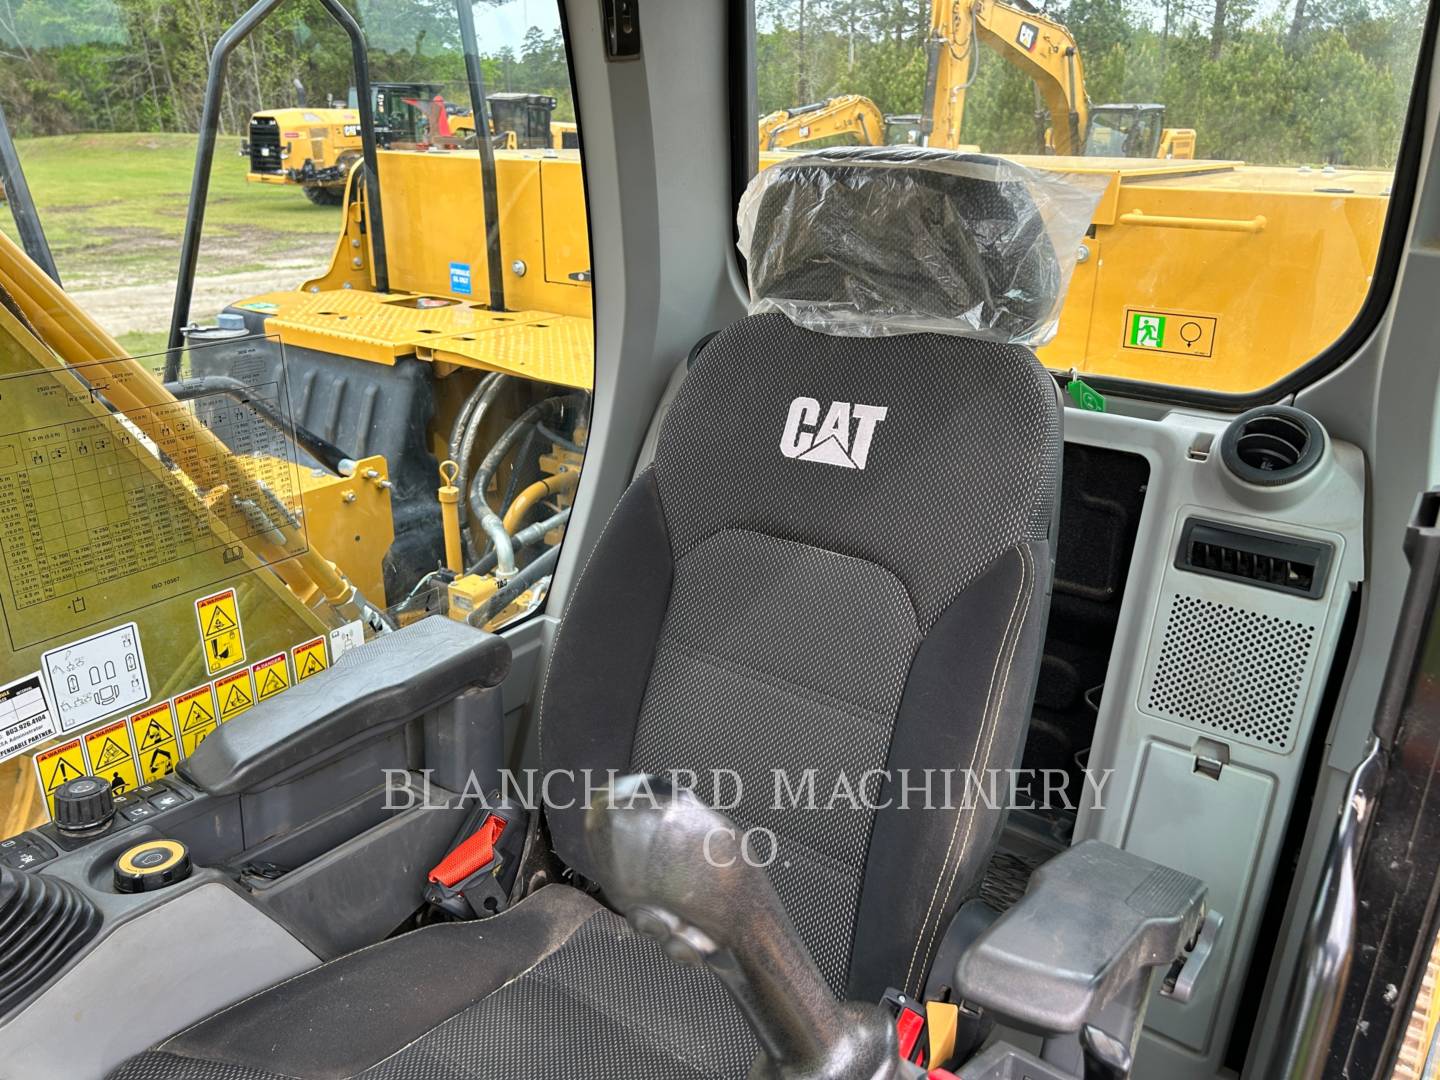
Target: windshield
x=1249, y=151
x=376, y=406
x=1122, y=133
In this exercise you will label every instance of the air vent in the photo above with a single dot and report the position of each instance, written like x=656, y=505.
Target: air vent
x=43, y=923
x=1266, y=560
x=1272, y=445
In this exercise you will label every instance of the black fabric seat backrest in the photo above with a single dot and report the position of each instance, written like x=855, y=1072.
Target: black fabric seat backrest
x=835, y=573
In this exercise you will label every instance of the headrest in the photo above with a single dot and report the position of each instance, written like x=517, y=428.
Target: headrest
x=867, y=241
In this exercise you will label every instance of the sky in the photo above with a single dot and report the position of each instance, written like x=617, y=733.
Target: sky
x=497, y=26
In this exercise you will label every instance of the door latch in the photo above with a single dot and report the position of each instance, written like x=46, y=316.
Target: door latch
x=622, y=28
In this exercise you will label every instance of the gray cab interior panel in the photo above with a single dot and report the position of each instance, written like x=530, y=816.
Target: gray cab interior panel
x=149, y=978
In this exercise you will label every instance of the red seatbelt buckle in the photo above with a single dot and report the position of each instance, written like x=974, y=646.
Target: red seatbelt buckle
x=474, y=879
x=909, y=1026
x=475, y=853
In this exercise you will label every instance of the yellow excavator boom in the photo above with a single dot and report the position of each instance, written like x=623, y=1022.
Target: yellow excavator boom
x=847, y=114
x=1038, y=45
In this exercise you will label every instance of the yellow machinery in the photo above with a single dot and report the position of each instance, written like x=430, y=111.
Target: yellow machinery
x=520, y=121
x=316, y=148
x=848, y=115
x=1046, y=52
x=541, y=343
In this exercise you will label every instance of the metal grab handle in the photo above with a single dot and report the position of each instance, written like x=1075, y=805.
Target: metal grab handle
x=205, y=156
x=1170, y=221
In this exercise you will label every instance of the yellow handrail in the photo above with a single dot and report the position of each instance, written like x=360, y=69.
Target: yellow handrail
x=1169, y=221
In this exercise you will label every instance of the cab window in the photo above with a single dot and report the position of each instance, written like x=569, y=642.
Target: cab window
x=364, y=403
x=1250, y=154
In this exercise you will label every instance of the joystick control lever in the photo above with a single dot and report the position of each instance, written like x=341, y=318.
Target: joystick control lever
x=677, y=870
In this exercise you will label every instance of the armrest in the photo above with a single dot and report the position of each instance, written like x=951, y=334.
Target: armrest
x=368, y=691
x=1094, y=919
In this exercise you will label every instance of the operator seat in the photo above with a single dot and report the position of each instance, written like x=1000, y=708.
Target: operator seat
x=774, y=592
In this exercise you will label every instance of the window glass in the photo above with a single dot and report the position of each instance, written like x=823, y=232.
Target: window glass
x=1250, y=149
x=380, y=408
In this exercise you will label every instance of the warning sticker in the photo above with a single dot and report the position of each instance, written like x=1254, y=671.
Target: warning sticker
x=272, y=675
x=219, y=617
x=195, y=717
x=112, y=757
x=57, y=766
x=309, y=658
x=154, y=733
x=25, y=718
x=234, y=694
x=96, y=676
x=1170, y=332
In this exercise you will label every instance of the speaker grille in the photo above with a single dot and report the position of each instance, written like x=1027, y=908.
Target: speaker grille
x=1238, y=672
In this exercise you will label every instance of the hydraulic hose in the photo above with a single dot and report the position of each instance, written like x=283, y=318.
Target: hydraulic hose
x=533, y=572
x=467, y=411
x=499, y=542
x=526, y=537
x=536, y=492
x=560, y=440
x=462, y=450
x=321, y=449
x=490, y=463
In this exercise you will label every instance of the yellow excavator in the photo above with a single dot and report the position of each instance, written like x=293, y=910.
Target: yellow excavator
x=315, y=148
x=1044, y=50
x=847, y=114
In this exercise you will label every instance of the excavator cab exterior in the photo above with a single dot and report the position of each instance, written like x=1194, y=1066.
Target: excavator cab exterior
x=1131, y=131
x=527, y=115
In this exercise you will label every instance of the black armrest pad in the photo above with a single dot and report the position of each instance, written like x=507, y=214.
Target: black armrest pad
x=1093, y=918
x=382, y=684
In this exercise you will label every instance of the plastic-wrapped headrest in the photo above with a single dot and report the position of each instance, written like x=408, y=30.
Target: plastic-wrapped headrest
x=865, y=241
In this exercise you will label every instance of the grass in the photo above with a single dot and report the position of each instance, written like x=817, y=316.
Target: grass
x=113, y=208
x=144, y=342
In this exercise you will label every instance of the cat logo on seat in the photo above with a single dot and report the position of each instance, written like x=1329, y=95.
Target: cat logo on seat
x=842, y=438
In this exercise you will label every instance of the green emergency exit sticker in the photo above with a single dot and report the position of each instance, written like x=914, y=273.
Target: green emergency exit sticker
x=1147, y=330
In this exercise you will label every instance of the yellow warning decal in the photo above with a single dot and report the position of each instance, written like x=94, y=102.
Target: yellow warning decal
x=309, y=658
x=234, y=694
x=272, y=675
x=219, y=617
x=57, y=766
x=195, y=716
x=112, y=757
x=154, y=733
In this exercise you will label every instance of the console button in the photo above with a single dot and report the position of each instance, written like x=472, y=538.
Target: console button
x=24, y=852
x=166, y=800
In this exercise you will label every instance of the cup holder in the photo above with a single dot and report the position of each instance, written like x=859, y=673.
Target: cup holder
x=1272, y=446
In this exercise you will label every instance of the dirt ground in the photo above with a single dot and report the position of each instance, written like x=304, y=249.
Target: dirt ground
x=145, y=309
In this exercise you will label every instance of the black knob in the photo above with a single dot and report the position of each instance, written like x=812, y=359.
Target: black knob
x=151, y=865
x=83, y=805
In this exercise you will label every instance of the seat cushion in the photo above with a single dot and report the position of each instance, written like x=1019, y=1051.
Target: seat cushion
x=556, y=979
